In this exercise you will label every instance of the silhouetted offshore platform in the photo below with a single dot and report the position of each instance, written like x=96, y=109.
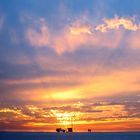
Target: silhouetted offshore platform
x=60, y=130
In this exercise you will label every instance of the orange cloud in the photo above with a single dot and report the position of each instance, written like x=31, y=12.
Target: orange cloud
x=111, y=115
x=83, y=86
x=80, y=30
x=116, y=23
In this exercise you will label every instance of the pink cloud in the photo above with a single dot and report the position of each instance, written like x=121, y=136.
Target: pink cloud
x=134, y=40
x=69, y=41
x=38, y=38
x=70, y=38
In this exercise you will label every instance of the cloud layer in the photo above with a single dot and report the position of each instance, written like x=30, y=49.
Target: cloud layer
x=30, y=117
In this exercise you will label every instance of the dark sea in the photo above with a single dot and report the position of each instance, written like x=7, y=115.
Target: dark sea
x=70, y=136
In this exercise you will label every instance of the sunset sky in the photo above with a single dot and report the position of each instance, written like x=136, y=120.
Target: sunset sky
x=65, y=62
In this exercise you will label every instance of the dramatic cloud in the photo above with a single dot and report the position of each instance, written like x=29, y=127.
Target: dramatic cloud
x=67, y=61
x=29, y=115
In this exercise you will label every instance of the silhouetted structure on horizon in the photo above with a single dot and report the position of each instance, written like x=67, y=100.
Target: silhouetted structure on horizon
x=60, y=130
x=89, y=130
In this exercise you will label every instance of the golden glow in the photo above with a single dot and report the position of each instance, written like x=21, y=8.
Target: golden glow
x=67, y=94
x=80, y=30
x=38, y=124
x=64, y=118
x=116, y=22
x=112, y=116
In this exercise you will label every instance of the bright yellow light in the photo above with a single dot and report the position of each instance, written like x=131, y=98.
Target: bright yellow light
x=65, y=118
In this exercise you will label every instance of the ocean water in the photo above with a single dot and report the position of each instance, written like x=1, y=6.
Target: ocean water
x=69, y=136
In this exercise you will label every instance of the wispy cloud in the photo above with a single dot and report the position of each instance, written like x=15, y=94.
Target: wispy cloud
x=74, y=36
x=40, y=37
